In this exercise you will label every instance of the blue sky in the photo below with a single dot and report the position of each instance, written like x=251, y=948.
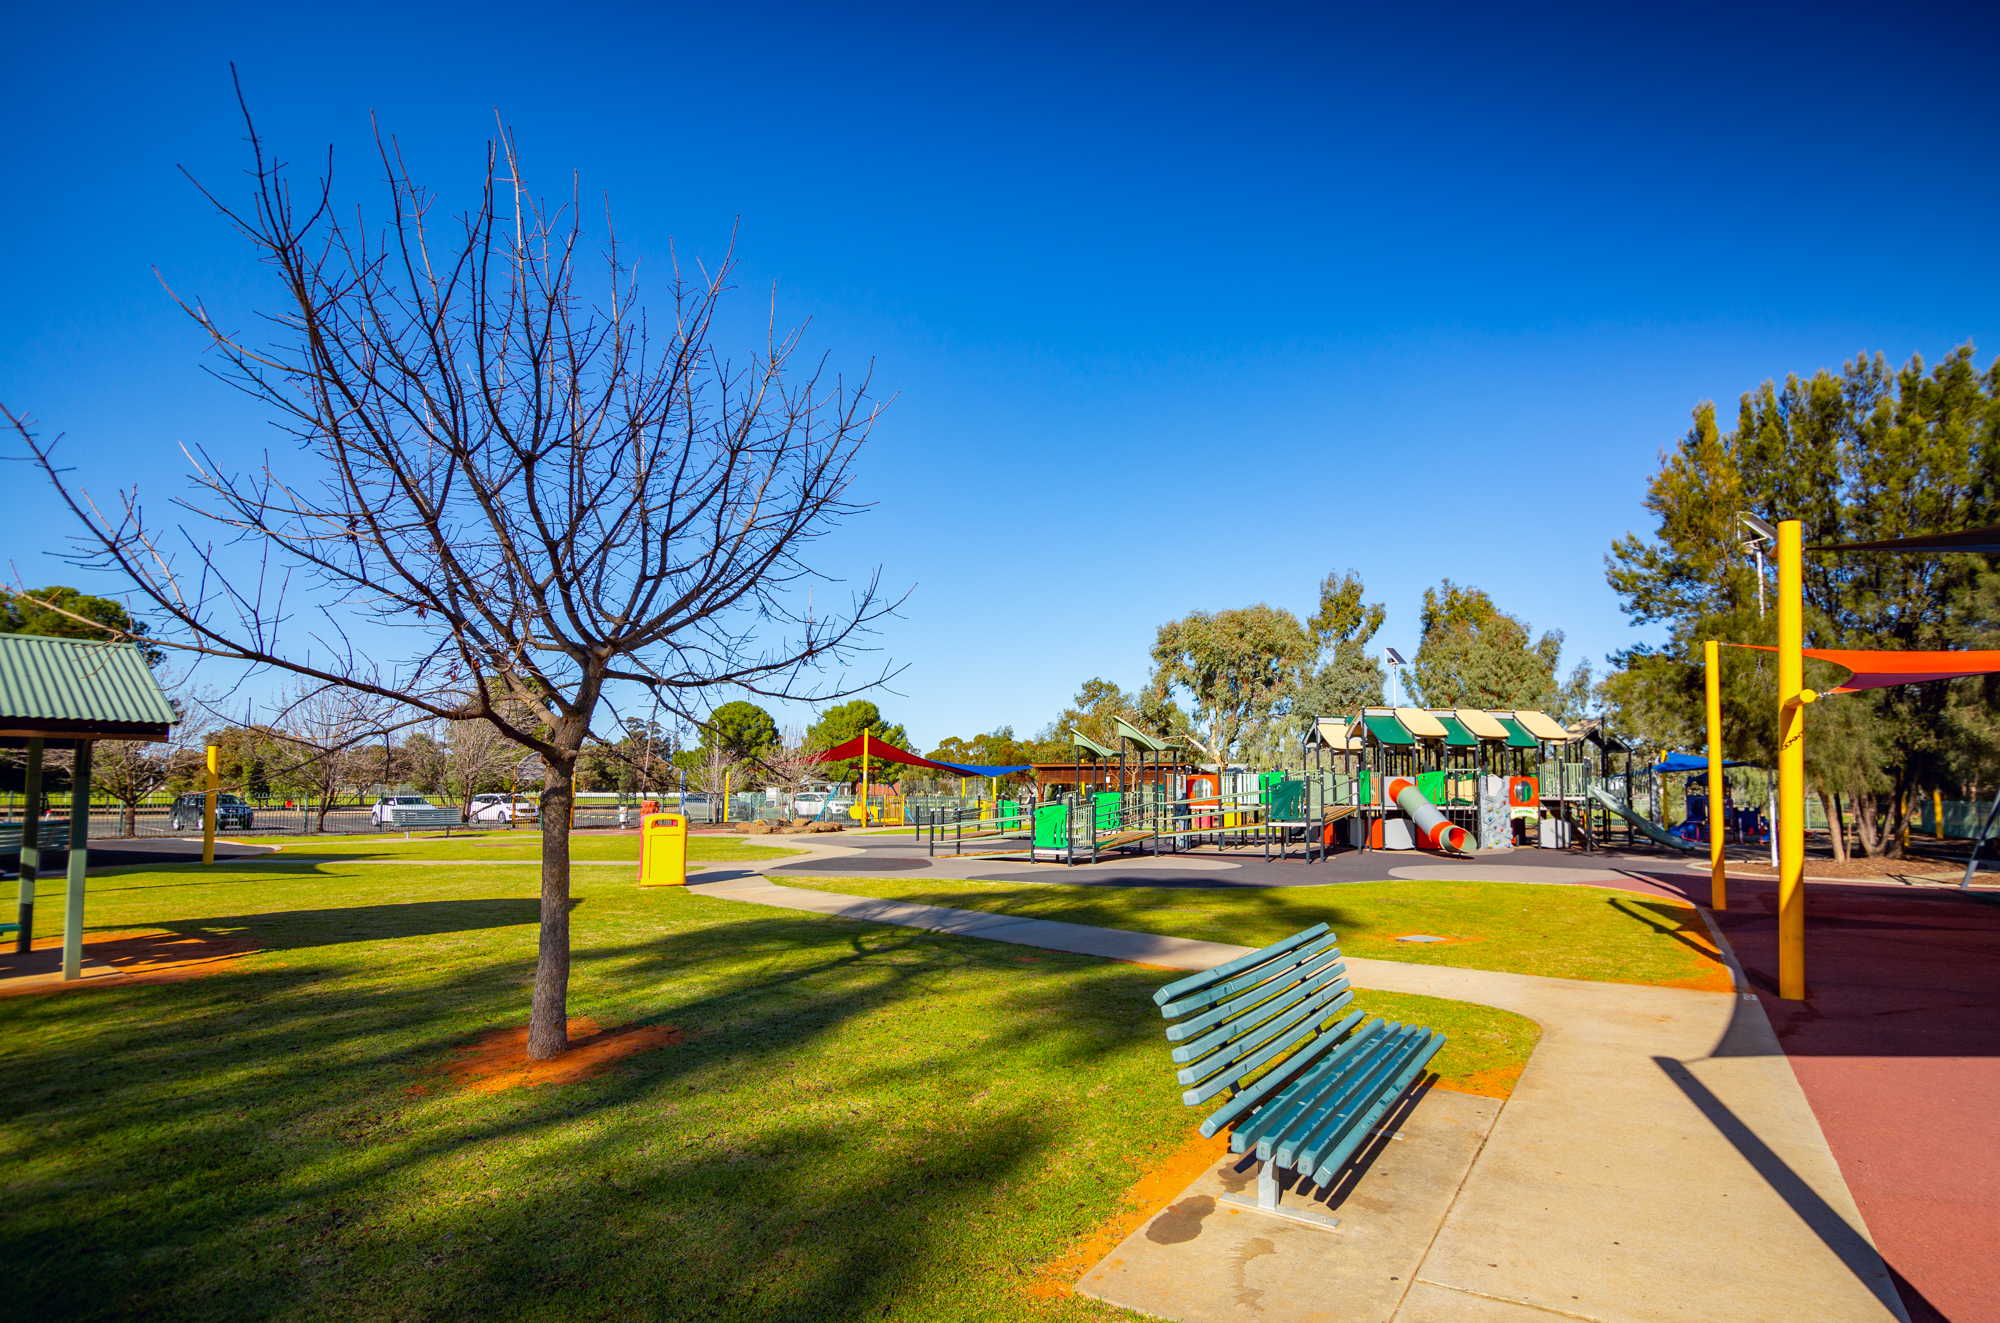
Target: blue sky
x=1180, y=308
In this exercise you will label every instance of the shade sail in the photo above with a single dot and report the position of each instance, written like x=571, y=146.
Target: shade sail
x=1971, y=539
x=889, y=753
x=1687, y=762
x=1881, y=670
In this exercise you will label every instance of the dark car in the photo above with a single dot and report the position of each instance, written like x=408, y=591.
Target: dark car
x=230, y=812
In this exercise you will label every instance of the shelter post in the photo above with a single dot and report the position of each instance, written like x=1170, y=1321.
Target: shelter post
x=1718, y=878
x=208, y=810
x=31, y=846
x=1790, y=827
x=864, y=778
x=79, y=860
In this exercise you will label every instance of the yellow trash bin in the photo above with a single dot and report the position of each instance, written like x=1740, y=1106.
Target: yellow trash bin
x=663, y=850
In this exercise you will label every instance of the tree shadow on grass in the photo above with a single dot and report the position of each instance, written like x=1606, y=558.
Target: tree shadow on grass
x=284, y=930
x=248, y=1145
x=1668, y=920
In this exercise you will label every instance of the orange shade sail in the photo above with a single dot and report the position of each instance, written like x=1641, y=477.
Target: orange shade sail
x=1880, y=670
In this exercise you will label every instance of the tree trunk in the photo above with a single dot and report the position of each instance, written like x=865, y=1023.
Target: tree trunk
x=129, y=818
x=548, y=1015
x=1831, y=803
x=1867, y=826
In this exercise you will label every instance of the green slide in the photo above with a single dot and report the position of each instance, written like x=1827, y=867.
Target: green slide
x=1651, y=830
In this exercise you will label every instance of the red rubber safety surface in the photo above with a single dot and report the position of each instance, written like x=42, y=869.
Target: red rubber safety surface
x=1897, y=1047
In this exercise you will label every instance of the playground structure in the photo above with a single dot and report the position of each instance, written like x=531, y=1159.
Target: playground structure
x=1451, y=781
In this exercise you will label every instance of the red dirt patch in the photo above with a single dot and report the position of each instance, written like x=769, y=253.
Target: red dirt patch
x=119, y=958
x=1496, y=1083
x=1150, y=1194
x=499, y=1060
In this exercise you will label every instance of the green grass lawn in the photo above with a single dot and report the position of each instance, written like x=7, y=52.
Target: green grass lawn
x=1561, y=931
x=503, y=844
x=863, y=1121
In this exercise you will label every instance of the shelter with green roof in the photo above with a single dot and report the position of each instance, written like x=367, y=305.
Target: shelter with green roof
x=67, y=694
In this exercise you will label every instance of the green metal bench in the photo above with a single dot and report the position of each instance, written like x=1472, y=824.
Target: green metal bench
x=1306, y=1089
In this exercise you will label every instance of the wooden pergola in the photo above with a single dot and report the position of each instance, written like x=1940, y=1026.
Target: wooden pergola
x=67, y=694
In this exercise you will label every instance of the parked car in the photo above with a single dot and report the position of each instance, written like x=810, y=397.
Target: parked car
x=230, y=812
x=807, y=804
x=501, y=808
x=384, y=812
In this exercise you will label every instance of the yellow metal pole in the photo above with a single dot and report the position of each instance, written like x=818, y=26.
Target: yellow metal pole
x=1937, y=812
x=725, y=797
x=208, y=809
x=1791, y=826
x=1718, y=878
x=864, y=778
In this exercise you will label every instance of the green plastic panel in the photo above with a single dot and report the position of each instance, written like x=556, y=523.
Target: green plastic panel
x=1517, y=737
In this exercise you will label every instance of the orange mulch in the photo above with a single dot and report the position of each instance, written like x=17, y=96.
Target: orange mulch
x=118, y=958
x=499, y=1060
x=1150, y=1194
x=1496, y=1083
x=1929, y=870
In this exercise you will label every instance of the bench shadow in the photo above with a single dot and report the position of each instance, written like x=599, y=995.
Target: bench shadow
x=1847, y=1244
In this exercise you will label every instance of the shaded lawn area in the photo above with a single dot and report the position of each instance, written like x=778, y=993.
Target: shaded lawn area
x=507, y=845
x=862, y=1121
x=1519, y=928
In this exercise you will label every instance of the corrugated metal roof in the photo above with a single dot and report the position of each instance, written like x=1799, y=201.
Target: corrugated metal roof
x=54, y=679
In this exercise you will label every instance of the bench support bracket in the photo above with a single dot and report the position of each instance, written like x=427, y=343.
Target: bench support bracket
x=1267, y=1201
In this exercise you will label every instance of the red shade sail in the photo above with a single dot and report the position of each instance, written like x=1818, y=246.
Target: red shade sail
x=1880, y=670
x=882, y=749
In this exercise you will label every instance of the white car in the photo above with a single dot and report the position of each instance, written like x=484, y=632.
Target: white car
x=384, y=812
x=502, y=808
x=807, y=804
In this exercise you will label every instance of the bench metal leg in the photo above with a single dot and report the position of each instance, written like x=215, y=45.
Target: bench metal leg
x=1267, y=1201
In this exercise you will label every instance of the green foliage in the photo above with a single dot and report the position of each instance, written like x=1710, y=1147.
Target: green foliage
x=1861, y=455
x=1347, y=679
x=1239, y=666
x=997, y=748
x=1472, y=654
x=741, y=730
x=42, y=611
x=839, y=724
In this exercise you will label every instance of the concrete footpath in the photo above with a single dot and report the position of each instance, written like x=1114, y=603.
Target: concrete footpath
x=1656, y=1161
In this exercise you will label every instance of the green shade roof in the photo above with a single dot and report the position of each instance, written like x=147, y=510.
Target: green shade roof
x=1139, y=737
x=1386, y=729
x=1454, y=730
x=1082, y=741
x=1517, y=737
x=79, y=689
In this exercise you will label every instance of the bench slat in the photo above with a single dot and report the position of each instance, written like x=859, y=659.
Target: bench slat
x=1272, y=970
x=1279, y=1077
x=1216, y=1015
x=1329, y=1116
x=1260, y=1009
x=1224, y=970
x=1299, y=1020
x=1384, y=1099
x=1229, y=1078
x=1283, y=1113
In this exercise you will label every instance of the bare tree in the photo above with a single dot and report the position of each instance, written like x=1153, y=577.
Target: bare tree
x=475, y=752
x=128, y=771
x=552, y=500
x=329, y=732
x=790, y=764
